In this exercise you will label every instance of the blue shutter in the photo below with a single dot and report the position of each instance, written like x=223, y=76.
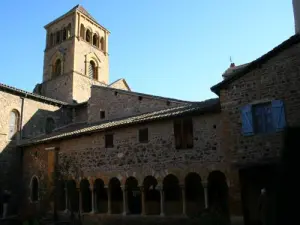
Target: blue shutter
x=247, y=121
x=278, y=115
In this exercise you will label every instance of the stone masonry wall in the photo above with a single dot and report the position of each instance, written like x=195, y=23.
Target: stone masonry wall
x=119, y=104
x=279, y=78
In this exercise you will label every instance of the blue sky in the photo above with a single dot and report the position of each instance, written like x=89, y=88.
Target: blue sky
x=171, y=48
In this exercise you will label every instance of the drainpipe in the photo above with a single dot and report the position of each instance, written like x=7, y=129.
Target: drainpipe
x=21, y=119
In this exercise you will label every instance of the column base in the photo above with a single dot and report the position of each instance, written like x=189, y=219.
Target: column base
x=162, y=214
x=124, y=213
x=66, y=211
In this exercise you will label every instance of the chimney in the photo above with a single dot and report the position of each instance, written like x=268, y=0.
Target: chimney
x=296, y=7
x=232, y=65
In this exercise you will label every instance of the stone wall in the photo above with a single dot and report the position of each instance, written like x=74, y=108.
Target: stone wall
x=279, y=78
x=117, y=104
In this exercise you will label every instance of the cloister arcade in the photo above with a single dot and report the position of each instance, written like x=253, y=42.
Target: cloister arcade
x=169, y=197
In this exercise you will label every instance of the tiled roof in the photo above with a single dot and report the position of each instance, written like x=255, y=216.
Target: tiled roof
x=211, y=105
x=144, y=95
x=27, y=94
x=295, y=39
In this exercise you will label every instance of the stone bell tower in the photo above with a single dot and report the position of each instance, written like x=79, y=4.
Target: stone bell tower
x=76, y=57
x=296, y=7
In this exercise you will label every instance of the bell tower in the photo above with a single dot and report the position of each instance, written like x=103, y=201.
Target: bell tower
x=76, y=57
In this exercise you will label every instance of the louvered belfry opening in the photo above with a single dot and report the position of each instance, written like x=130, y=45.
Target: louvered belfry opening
x=93, y=73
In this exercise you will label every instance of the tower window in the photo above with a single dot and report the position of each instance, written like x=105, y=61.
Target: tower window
x=93, y=74
x=14, y=124
x=64, y=34
x=82, y=31
x=58, y=37
x=102, y=114
x=88, y=36
x=69, y=31
x=50, y=125
x=95, y=40
x=57, y=68
x=102, y=44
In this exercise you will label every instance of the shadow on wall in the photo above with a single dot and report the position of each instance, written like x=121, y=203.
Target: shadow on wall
x=42, y=122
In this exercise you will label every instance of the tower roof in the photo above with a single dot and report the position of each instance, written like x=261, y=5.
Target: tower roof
x=80, y=9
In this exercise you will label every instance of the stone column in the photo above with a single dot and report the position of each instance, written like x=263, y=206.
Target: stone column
x=66, y=198
x=80, y=201
x=124, y=200
x=183, y=200
x=143, y=200
x=108, y=200
x=162, y=201
x=205, y=194
x=93, y=199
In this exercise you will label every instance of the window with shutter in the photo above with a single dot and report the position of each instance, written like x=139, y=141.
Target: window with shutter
x=183, y=132
x=278, y=115
x=247, y=124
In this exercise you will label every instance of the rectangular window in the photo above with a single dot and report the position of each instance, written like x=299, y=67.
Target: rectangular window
x=102, y=114
x=109, y=141
x=143, y=135
x=183, y=133
x=263, y=118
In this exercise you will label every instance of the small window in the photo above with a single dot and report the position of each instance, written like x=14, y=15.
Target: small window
x=82, y=31
x=64, y=37
x=109, y=141
x=183, y=132
x=143, y=135
x=102, y=114
x=58, y=37
x=140, y=98
x=14, y=124
x=95, y=40
x=102, y=44
x=88, y=36
x=50, y=125
x=69, y=31
x=34, y=190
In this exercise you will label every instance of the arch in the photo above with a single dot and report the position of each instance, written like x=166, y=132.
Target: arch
x=50, y=125
x=88, y=35
x=102, y=44
x=61, y=195
x=82, y=31
x=14, y=124
x=69, y=30
x=34, y=189
x=116, y=196
x=194, y=194
x=133, y=196
x=100, y=196
x=73, y=196
x=96, y=40
x=172, y=193
x=93, y=71
x=152, y=196
x=85, y=195
x=57, y=68
x=218, y=193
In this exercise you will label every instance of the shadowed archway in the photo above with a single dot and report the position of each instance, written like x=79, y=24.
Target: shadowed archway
x=116, y=196
x=73, y=196
x=85, y=196
x=133, y=196
x=100, y=196
x=152, y=196
x=172, y=193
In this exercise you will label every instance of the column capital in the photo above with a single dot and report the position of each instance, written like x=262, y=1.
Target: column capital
x=123, y=187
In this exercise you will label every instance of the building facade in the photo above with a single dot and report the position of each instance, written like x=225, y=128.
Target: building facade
x=123, y=152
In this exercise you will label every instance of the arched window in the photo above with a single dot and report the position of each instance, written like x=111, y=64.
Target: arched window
x=57, y=68
x=95, y=40
x=82, y=31
x=14, y=124
x=88, y=35
x=64, y=37
x=93, y=74
x=34, y=195
x=102, y=44
x=50, y=125
x=57, y=40
x=69, y=31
